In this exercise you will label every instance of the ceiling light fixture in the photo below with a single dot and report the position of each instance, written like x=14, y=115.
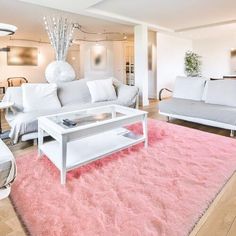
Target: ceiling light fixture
x=116, y=36
x=6, y=29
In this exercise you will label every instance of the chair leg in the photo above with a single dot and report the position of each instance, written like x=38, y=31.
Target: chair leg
x=168, y=119
x=232, y=133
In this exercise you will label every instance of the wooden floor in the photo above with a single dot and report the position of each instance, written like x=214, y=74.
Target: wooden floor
x=219, y=220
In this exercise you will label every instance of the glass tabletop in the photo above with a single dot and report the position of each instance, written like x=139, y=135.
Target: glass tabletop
x=81, y=118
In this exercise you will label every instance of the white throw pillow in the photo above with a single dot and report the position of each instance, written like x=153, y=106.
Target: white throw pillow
x=102, y=90
x=40, y=97
x=221, y=92
x=189, y=88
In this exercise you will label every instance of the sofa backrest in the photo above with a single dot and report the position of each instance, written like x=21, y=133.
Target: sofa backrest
x=221, y=92
x=70, y=93
x=74, y=92
x=189, y=88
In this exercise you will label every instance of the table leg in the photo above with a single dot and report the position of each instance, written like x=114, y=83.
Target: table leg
x=145, y=131
x=40, y=141
x=63, y=147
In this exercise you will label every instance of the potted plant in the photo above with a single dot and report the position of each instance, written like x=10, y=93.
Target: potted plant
x=192, y=64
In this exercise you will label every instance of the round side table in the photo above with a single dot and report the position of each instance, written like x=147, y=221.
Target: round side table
x=4, y=105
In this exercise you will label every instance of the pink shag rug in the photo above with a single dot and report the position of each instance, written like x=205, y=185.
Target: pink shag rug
x=161, y=190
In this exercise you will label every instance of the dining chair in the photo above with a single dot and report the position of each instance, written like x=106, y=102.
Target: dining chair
x=16, y=81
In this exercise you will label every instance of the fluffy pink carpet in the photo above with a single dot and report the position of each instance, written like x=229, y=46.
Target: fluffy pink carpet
x=162, y=190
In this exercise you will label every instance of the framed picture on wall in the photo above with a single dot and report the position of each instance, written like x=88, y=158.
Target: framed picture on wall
x=22, y=56
x=149, y=57
x=98, y=57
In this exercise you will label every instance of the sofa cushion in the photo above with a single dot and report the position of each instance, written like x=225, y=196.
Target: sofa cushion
x=102, y=90
x=221, y=92
x=127, y=95
x=189, y=88
x=74, y=92
x=199, y=109
x=40, y=97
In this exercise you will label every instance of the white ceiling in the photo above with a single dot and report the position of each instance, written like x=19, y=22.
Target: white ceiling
x=121, y=15
x=220, y=31
x=75, y=6
x=173, y=14
x=29, y=19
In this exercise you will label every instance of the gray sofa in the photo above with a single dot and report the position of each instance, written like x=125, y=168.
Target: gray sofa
x=203, y=101
x=72, y=95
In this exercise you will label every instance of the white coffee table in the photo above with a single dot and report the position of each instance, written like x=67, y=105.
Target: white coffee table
x=98, y=133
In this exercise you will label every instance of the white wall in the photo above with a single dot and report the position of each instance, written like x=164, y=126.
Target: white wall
x=119, y=61
x=115, y=61
x=152, y=61
x=78, y=57
x=73, y=58
x=170, y=59
x=32, y=73
x=215, y=53
x=141, y=62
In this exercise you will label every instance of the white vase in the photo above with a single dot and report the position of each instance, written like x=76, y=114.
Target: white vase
x=59, y=71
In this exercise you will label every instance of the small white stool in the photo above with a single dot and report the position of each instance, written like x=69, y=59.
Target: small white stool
x=7, y=170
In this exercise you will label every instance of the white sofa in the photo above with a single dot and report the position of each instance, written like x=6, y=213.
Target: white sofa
x=7, y=170
x=73, y=95
x=208, y=102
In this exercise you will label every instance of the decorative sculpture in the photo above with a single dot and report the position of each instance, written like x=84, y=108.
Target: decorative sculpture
x=60, y=32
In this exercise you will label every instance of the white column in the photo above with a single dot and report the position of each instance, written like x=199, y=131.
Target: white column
x=141, y=61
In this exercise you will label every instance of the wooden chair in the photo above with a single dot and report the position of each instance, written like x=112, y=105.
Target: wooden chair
x=16, y=81
x=3, y=89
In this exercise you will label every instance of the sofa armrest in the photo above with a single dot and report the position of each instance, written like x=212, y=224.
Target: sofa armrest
x=127, y=95
x=162, y=90
x=14, y=94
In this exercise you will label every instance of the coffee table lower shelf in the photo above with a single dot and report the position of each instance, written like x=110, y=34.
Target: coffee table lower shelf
x=86, y=150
